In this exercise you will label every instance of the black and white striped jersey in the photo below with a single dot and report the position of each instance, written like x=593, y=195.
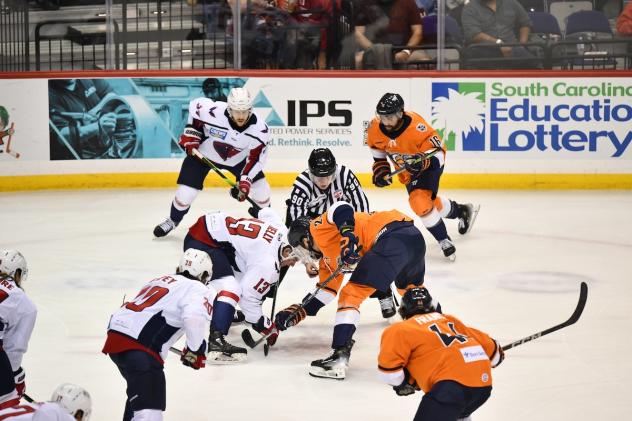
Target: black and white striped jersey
x=307, y=199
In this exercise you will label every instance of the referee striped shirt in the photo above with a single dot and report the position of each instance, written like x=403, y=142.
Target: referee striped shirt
x=307, y=199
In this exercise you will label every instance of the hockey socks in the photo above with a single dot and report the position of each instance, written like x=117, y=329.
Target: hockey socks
x=178, y=212
x=439, y=231
x=222, y=317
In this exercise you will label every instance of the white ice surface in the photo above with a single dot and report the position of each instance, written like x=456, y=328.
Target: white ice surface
x=516, y=273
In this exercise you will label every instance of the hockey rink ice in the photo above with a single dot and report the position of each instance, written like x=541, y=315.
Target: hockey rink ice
x=516, y=273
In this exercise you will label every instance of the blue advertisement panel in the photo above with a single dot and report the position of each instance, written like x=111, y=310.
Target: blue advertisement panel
x=122, y=118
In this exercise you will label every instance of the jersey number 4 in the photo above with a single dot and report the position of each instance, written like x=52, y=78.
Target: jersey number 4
x=448, y=338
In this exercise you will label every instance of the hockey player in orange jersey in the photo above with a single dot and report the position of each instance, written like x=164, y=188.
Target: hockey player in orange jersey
x=438, y=354
x=405, y=136
x=378, y=248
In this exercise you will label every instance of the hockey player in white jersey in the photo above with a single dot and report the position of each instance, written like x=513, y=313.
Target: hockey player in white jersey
x=17, y=318
x=321, y=185
x=68, y=403
x=234, y=138
x=141, y=332
x=247, y=255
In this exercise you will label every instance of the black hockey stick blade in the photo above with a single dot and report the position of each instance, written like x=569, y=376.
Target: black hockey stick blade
x=249, y=340
x=583, y=296
x=266, y=349
x=28, y=398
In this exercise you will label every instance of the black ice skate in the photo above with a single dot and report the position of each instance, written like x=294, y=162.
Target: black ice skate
x=164, y=228
x=335, y=366
x=387, y=305
x=448, y=249
x=467, y=216
x=222, y=352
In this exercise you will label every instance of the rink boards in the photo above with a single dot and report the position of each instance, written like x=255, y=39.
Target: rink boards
x=552, y=131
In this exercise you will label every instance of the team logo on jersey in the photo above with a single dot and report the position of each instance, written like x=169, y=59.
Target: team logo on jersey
x=197, y=109
x=225, y=150
x=458, y=113
x=421, y=127
x=392, y=144
x=212, y=111
x=220, y=134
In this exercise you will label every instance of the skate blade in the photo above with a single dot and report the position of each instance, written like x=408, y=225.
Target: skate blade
x=219, y=358
x=334, y=373
x=473, y=219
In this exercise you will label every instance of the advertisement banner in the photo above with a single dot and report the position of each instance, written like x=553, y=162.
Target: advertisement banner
x=497, y=125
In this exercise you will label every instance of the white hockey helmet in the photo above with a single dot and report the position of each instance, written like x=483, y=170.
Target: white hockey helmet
x=73, y=399
x=239, y=105
x=197, y=264
x=12, y=263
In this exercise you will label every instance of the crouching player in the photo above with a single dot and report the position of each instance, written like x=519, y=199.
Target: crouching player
x=438, y=354
x=68, y=403
x=378, y=248
x=141, y=332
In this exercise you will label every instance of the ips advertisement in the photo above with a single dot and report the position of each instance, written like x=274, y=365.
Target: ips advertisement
x=496, y=125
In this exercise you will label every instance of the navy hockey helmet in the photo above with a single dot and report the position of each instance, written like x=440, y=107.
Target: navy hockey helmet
x=299, y=229
x=416, y=301
x=321, y=162
x=389, y=104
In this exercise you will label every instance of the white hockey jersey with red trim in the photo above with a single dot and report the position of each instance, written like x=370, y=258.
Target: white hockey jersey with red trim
x=224, y=143
x=164, y=310
x=255, y=243
x=47, y=411
x=17, y=318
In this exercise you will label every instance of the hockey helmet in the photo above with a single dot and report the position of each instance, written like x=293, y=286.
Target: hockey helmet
x=73, y=399
x=322, y=162
x=299, y=230
x=416, y=301
x=239, y=105
x=12, y=263
x=196, y=264
x=390, y=104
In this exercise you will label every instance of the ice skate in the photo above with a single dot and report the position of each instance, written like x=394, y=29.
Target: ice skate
x=387, y=305
x=448, y=249
x=222, y=352
x=335, y=366
x=467, y=216
x=164, y=228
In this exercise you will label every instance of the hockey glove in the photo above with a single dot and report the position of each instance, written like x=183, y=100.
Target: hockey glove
x=349, y=246
x=382, y=173
x=272, y=332
x=190, y=139
x=414, y=164
x=194, y=359
x=289, y=317
x=244, y=187
x=19, y=377
x=406, y=388
x=498, y=356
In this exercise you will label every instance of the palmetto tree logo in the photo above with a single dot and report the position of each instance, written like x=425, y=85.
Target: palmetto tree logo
x=458, y=113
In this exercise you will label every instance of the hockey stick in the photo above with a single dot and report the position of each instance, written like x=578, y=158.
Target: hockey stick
x=175, y=351
x=231, y=183
x=28, y=398
x=13, y=154
x=247, y=336
x=583, y=295
x=413, y=161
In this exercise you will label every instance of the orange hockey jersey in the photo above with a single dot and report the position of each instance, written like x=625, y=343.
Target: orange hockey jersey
x=415, y=136
x=435, y=347
x=368, y=227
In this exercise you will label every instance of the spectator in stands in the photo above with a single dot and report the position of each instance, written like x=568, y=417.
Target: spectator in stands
x=624, y=22
x=380, y=24
x=306, y=46
x=495, y=23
